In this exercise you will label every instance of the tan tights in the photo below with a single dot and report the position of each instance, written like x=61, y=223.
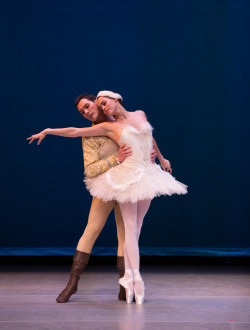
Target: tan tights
x=98, y=215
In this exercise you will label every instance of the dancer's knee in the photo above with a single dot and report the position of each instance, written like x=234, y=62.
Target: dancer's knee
x=91, y=232
x=130, y=231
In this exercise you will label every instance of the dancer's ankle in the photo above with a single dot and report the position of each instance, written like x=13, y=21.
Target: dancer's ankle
x=128, y=273
x=137, y=274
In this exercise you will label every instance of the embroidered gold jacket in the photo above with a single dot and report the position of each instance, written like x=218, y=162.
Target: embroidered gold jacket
x=99, y=154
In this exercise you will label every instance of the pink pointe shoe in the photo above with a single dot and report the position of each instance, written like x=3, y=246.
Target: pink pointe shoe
x=139, y=289
x=127, y=283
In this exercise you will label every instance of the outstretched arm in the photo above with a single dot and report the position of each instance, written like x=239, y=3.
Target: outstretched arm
x=165, y=164
x=103, y=129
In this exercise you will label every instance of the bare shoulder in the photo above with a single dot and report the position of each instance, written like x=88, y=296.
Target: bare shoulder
x=111, y=129
x=110, y=125
x=141, y=113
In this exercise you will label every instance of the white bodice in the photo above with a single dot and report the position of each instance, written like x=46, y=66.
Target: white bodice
x=141, y=143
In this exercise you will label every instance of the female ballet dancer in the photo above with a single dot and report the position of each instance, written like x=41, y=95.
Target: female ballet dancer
x=133, y=184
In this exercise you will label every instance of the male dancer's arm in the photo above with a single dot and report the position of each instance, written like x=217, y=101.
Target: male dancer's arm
x=94, y=166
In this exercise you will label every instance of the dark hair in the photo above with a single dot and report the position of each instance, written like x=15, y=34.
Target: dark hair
x=89, y=97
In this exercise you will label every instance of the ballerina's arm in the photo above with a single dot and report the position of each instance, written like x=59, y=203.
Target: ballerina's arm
x=97, y=130
x=165, y=164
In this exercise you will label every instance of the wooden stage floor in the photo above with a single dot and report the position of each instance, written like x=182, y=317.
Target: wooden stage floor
x=177, y=297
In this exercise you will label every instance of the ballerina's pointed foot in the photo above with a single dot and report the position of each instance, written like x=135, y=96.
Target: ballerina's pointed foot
x=127, y=283
x=139, y=289
x=139, y=299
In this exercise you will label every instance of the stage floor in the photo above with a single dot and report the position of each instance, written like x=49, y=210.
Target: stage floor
x=177, y=297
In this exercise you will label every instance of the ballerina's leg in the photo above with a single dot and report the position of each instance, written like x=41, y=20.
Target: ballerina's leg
x=133, y=215
x=142, y=209
x=129, y=214
x=131, y=250
x=126, y=259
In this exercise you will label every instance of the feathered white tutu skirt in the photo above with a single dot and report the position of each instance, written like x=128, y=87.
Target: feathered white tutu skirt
x=131, y=184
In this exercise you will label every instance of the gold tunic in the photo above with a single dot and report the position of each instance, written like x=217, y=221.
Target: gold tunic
x=99, y=155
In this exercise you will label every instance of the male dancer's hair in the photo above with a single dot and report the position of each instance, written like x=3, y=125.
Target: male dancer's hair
x=89, y=97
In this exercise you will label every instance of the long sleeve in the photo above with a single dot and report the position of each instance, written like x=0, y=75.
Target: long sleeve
x=94, y=166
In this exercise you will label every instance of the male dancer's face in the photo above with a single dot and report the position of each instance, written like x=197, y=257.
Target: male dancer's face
x=90, y=111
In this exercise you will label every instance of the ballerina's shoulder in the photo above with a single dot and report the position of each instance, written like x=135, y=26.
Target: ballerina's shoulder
x=141, y=113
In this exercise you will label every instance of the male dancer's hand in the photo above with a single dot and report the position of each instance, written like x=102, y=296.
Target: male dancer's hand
x=124, y=152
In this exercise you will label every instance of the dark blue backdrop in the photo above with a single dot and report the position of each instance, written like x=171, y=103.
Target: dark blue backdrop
x=185, y=63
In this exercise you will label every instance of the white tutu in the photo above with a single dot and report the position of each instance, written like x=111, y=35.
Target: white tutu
x=136, y=178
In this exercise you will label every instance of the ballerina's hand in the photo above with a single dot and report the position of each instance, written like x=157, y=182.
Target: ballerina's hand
x=166, y=166
x=40, y=136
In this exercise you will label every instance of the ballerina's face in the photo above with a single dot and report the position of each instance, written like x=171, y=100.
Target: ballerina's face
x=107, y=104
x=88, y=109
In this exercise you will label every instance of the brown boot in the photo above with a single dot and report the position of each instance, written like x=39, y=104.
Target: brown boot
x=80, y=261
x=121, y=270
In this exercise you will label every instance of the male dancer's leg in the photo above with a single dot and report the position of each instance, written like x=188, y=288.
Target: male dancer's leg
x=98, y=215
x=120, y=229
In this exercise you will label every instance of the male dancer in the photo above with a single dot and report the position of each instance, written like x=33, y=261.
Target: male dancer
x=100, y=154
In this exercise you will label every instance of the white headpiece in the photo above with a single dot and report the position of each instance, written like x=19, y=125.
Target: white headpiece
x=110, y=94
